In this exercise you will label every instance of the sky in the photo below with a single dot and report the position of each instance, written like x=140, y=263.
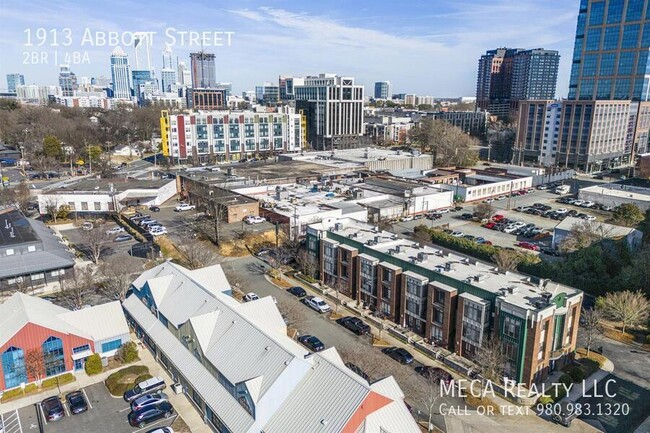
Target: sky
x=426, y=47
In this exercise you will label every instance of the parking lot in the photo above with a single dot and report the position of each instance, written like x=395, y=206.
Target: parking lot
x=106, y=414
x=512, y=209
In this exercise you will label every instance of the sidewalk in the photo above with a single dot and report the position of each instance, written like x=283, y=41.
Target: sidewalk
x=587, y=385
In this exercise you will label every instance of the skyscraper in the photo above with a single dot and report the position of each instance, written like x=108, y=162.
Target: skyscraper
x=14, y=80
x=204, y=74
x=168, y=72
x=508, y=75
x=606, y=119
x=333, y=106
x=142, y=47
x=184, y=74
x=382, y=90
x=67, y=81
x=121, y=74
x=610, y=55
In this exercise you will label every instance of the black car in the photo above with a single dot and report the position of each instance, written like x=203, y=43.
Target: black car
x=466, y=216
x=154, y=208
x=434, y=216
x=77, y=402
x=398, y=354
x=355, y=368
x=297, y=291
x=52, y=409
x=435, y=373
x=551, y=252
x=144, y=416
x=312, y=343
x=354, y=324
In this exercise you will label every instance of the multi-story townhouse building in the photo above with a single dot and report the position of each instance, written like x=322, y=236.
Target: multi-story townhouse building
x=231, y=135
x=454, y=301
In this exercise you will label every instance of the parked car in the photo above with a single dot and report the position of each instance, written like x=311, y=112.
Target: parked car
x=154, y=208
x=587, y=204
x=407, y=218
x=489, y=226
x=148, y=399
x=297, y=291
x=317, y=304
x=87, y=225
x=148, y=414
x=159, y=430
x=312, y=343
x=52, y=409
x=183, y=207
x=77, y=402
x=254, y=219
x=354, y=324
x=115, y=230
x=434, y=216
x=528, y=246
x=398, y=354
x=438, y=374
x=466, y=216
x=158, y=231
x=497, y=218
x=122, y=238
x=551, y=252
x=145, y=387
x=457, y=234
x=250, y=296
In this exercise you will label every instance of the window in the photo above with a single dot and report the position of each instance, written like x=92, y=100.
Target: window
x=438, y=316
x=111, y=345
x=630, y=36
x=79, y=349
x=597, y=13
x=593, y=39
x=98, y=205
x=218, y=424
x=634, y=10
x=611, y=38
x=511, y=327
x=607, y=63
x=39, y=276
x=13, y=366
x=53, y=356
x=84, y=205
x=614, y=12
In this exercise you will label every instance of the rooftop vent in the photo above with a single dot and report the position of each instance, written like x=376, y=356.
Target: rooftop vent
x=503, y=292
x=513, y=289
x=547, y=297
x=421, y=256
x=479, y=277
x=449, y=266
x=397, y=248
x=465, y=261
x=338, y=226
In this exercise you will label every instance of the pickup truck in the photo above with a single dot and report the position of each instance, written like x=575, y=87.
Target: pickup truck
x=183, y=207
x=316, y=303
x=354, y=324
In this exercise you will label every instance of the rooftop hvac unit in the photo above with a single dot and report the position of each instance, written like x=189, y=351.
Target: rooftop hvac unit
x=338, y=226
x=398, y=249
x=421, y=256
x=513, y=289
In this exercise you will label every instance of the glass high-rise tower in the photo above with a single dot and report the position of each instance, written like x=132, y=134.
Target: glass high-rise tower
x=120, y=74
x=610, y=55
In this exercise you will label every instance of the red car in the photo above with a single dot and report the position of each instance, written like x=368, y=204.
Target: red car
x=489, y=226
x=528, y=246
x=497, y=217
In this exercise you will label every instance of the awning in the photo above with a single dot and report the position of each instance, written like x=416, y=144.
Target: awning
x=81, y=355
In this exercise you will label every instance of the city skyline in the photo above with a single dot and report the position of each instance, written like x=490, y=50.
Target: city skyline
x=372, y=42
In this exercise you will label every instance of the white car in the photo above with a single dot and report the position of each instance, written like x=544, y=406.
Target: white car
x=316, y=303
x=115, y=230
x=561, y=210
x=250, y=296
x=254, y=219
x=407, y=218
x=509, y=229
x=578, y=203
x=158, y=231
x=457, y=234
x=518, y=224
x=442, y=211
x=589, y=218
x=159, y=430
x=588, y=204
x=183, y=207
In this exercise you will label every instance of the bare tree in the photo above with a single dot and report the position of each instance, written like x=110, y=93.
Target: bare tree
x=35, y=364
x=421, y=235
x=94, y=242
x=431, y=393
x=196, y=254
x=483, y=210
x=448, y=144
x=592, y=327
x=583, y=235
x=76, y=287
x=293, y=313
x=385, y=225
x=307, y=263
x=116, y=275
x=629, y=308
x=52, y=207
x=506, y=260
x=369, y=360
x=491, y=359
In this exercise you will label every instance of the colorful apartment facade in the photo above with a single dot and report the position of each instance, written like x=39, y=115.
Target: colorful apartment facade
x=453, y=301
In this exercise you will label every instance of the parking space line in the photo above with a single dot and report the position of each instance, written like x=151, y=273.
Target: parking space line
x=87, y=399
x=42, y=412
x=65, y=408
x=124, y=410
x=171, y=418
x=20, y=426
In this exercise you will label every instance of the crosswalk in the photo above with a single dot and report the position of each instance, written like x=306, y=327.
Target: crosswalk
x=11, y=422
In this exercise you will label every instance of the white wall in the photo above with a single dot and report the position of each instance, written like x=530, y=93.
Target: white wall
x=479, y=192
x=45, y=200
x=429, y=202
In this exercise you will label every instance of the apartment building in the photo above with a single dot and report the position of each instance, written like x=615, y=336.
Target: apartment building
x=230, y=135
x=454, y=301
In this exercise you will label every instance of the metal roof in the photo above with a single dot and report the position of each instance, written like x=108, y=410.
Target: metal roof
x=207, y=385
x=101, y=321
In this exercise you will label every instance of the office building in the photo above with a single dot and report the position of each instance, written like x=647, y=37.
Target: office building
x=120, y=74
x=230, y=135
x=382, y=90
x=206, y=99
x=184, y=74
x=610, y=57
x=287, y=85
x=168, y=72
x=509, y=75
x=333, y=106
x=14, y=80
x=268, y=93
x=204, y=74
x=100, y=81
x=67, y=81
x=605, y=121
x=195, y=330
x=142, y=47
x=457, y=302
x=33, y=94
x=63, y=338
